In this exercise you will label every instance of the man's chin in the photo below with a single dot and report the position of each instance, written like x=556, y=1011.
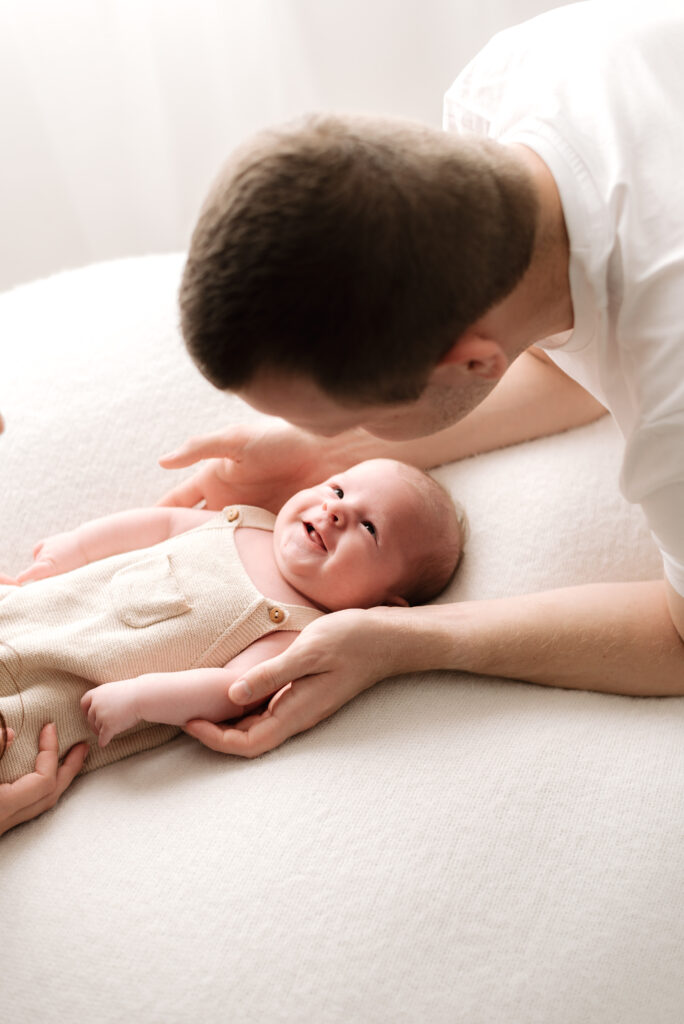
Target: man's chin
x=403, y=431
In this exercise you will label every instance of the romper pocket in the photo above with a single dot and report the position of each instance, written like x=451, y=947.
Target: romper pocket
x=147, y=592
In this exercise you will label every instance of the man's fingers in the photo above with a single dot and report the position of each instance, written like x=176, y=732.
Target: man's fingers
x=30, y=789
x=263, y=734
x=71, y=765
x=69, y=769
x=292, y=710
x=48, y=750
x=208, y=733
x=47, y=762
x=243, y=724
x=221, y=445
x=263, y=680
x=184, y=495
x=32, y=794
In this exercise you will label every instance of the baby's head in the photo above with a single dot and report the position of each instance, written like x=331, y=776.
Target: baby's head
x=381, y=532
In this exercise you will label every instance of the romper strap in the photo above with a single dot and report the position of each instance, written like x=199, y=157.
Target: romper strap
x=249, y=515
x=296, y=616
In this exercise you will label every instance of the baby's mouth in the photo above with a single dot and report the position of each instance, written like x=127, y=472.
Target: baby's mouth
x=314, y=536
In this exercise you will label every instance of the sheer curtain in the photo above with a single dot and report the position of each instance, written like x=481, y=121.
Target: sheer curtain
x=115, y=114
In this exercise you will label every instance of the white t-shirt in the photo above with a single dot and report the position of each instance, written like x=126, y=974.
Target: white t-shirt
x=596, y=89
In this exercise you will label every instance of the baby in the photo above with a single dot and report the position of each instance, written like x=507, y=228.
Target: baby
x=116, y=638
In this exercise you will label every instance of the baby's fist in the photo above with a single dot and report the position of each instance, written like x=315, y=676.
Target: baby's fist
x=110, y=709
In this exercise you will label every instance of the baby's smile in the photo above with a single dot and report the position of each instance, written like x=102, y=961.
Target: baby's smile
x=352, y=541
x=314, y=536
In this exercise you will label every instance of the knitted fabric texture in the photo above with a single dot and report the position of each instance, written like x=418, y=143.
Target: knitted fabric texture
x=185, y=603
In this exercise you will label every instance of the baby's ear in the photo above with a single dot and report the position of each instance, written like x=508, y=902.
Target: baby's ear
x=397, y=601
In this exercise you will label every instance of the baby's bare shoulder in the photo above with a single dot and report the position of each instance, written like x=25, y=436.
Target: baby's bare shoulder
x=183, y=519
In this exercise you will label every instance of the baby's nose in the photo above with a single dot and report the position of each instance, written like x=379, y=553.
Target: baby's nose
x=332, y=511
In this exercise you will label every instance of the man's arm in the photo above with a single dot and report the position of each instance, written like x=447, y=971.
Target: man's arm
x=609, y=637
x=265, y=463
x=614, y=638
x=533, y=399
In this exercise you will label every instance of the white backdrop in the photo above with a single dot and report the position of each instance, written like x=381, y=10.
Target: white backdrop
x=115, y=114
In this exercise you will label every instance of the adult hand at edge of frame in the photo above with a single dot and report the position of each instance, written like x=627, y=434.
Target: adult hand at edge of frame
x=40, y=790
x=332, y=660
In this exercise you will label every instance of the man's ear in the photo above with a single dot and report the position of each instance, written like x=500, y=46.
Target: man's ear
x=478, y=355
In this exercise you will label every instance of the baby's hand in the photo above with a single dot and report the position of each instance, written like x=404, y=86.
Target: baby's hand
x=111, y=708
x=53, y=556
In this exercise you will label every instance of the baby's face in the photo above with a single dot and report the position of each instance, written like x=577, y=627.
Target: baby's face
x=345, y=543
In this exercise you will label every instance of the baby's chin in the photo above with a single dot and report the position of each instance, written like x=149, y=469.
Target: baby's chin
x=331, y=602
x=326, y=595
x=335, y=603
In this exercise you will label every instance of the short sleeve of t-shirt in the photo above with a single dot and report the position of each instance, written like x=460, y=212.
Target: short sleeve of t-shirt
x=664, y=510
x=653, y=476
x=586, y=91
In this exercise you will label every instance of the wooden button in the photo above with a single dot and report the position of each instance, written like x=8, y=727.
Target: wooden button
x=232, y=514
x=276, y=614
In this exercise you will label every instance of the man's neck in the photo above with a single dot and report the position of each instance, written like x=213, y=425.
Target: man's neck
x=541, y=304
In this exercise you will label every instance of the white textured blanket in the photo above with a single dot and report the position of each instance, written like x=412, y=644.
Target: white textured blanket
x=447, y=848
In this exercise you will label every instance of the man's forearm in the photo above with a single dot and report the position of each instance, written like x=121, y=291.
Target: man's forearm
x=612, y=637
x=533, y=399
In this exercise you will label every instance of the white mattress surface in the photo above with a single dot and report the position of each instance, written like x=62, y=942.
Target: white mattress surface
x=446, y=848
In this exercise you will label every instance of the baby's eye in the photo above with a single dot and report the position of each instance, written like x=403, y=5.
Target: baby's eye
x=368, y=526
x=338, y=491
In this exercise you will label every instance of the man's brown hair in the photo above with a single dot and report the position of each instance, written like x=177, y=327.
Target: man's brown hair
x=354, y=251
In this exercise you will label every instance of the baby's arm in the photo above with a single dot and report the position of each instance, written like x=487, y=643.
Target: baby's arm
x=110, y=535
x=176, y=697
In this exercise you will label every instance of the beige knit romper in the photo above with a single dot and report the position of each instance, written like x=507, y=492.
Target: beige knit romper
x=185, y=603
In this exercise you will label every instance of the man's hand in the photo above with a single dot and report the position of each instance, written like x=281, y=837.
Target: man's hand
x=32, y=794
x=266, y=462
x=259, y=464
x=332, y=660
